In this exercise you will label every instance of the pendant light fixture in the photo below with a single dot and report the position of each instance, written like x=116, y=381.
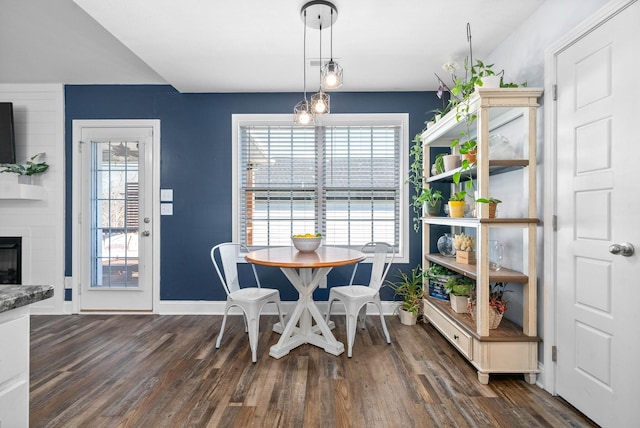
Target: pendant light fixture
x=302, y=113
x=331, y=76
x=317, y=14
x=320, y=101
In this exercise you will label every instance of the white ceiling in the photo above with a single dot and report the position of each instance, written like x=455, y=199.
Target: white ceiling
x=245, y=45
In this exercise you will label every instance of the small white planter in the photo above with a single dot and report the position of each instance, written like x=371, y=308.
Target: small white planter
x=490, y=82
x=459, y=303
x=407, y=318
x=451, y=162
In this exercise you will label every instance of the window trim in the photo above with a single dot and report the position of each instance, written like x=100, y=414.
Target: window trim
x=400, y=119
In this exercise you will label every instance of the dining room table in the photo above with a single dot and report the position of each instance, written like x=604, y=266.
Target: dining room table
x=305, y=271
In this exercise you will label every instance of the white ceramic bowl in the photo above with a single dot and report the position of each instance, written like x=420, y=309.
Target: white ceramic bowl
x=306, y=245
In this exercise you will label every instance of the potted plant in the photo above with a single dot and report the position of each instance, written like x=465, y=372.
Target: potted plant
x=497, y=303
x=31, y=167
x=484, y=76
x=456, y=204
x=410, y=289
x=451, y=162
x=493, y=205
x=431, y=199
x=464, y=248
x=438, y=165
x=459, y=290
x=468, y=153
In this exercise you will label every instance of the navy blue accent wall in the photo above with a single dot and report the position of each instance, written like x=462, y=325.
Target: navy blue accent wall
x=196, y=164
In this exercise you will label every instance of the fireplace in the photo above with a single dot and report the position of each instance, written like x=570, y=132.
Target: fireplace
x=10, y=260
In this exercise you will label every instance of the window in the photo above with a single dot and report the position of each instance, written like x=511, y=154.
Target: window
x=342, y=178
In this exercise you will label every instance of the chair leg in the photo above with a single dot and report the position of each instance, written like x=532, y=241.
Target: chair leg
x=224, y=322
x=362, y=314
x=351, y=331
x=329, y=305
x=253, y=336
x=384, y=324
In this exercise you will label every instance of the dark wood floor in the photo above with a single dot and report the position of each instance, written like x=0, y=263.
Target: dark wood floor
x=164, y=371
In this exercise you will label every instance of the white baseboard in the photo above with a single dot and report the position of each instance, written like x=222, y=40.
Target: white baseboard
x=179, y=307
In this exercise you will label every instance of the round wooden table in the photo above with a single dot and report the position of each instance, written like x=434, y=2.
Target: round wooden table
x=305, y=271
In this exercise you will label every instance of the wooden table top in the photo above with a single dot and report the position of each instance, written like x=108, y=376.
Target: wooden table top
x=289, y=257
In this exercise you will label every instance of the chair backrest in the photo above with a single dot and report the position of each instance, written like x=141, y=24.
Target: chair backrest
x=383, y=255
x=225, y=259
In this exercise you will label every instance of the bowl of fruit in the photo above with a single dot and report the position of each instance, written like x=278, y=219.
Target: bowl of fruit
x=306, y=242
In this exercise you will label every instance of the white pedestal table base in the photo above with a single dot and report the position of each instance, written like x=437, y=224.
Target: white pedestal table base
x=300, y=328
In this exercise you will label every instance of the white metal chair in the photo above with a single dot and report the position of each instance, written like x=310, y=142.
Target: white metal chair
x=250, y=300
x=355, y=297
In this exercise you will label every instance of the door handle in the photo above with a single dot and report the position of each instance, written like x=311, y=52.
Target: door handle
x=146, y=233
x=625, y=249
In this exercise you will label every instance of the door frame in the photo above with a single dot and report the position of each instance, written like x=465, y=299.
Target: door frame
x=77, y=202
x=550, y=288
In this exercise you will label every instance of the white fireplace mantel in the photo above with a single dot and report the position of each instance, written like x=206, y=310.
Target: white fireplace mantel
x=11, y=189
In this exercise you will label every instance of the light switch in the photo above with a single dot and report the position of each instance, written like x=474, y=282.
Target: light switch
x=166, y=209
x=166, y=195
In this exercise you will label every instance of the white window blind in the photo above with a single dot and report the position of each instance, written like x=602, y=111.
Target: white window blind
x=340, y=179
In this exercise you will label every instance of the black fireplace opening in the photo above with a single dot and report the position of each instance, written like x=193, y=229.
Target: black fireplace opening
x=10, y=260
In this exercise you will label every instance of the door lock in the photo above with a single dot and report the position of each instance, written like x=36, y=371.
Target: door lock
x=146, y=233
x=625, y=249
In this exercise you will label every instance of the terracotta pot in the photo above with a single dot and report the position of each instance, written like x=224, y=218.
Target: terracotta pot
x=456, y=209
x=492, y=209
x=470, y=156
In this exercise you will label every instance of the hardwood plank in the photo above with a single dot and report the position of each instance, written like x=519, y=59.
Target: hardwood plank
x=164, y=371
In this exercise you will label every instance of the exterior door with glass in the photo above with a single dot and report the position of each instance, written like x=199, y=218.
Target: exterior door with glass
x=114, y=166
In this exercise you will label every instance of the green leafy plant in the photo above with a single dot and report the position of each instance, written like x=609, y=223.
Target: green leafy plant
x=480, y=70
x=410, y=289
x=31, y=167
x=439, y=163
x=497, y=298
x=459, y=286
x=458, y=196
x=417, y=178
x=489, y=200
x=429, y=196
x=438, y=270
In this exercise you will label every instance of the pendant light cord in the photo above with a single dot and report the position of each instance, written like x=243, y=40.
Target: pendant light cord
x=304, y=56
x=331, y=38
x=320, y=52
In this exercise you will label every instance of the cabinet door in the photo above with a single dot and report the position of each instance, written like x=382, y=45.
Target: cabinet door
x=14, y=406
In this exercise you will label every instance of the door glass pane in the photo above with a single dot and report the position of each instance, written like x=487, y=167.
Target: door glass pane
x=114, y=214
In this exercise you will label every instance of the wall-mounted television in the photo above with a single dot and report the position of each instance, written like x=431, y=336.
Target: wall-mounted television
x=7, y=134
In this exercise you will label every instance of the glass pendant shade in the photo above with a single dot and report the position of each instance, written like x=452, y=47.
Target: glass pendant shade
x=303, y=115
x=331, y=75
x=320, y=103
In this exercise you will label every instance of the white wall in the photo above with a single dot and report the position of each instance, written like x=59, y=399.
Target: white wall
x=39, y=127
x=522, y=57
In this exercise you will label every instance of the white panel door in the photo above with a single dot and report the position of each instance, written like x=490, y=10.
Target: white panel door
x=598, y=345
x=116, y=188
